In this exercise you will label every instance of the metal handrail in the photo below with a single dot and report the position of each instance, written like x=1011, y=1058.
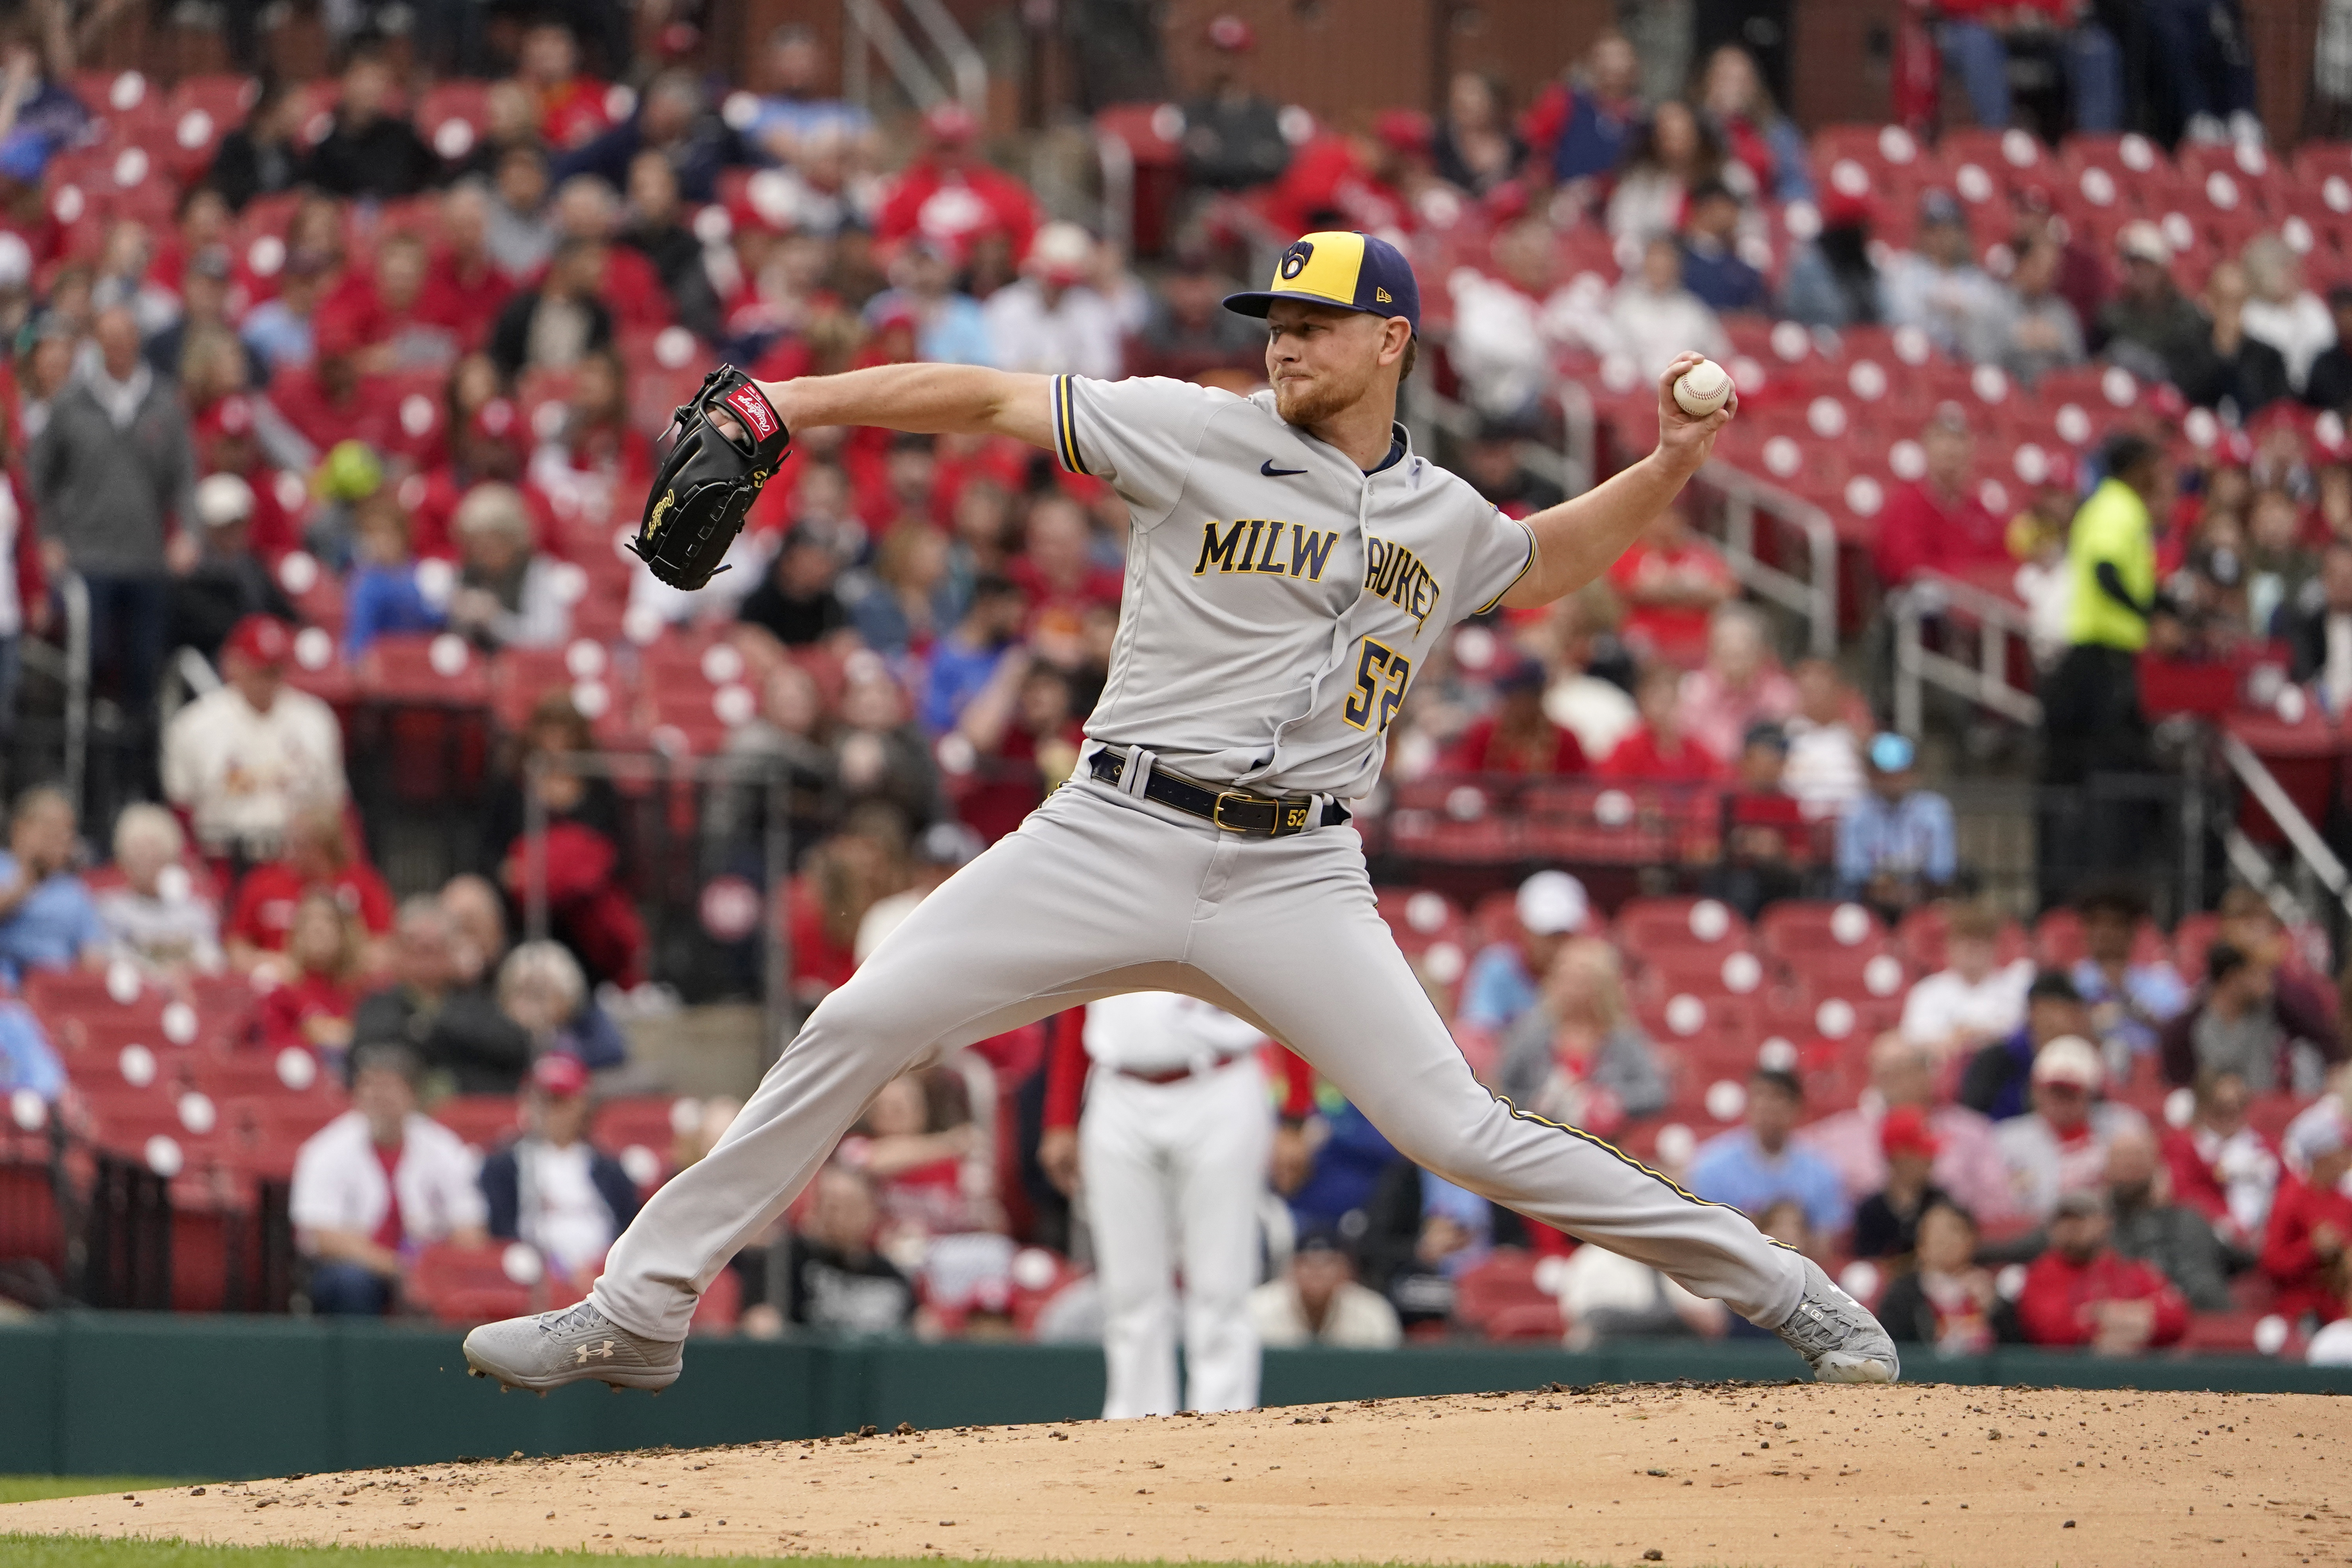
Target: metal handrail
x=69, y=667
x=2301, y=835
x=870, y=23
x=1986, y=683
x=1117, y=161
x=964, y=62
x=1814, y=596
x=1425, y=404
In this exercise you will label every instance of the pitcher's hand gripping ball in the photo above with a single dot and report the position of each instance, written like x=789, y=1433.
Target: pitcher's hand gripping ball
x=713, y=475
x=1702, y=389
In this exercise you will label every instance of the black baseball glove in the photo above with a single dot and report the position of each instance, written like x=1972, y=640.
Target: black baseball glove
x=730, y=441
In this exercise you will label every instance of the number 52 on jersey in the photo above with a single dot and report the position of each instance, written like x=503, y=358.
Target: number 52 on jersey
x=1381, y=676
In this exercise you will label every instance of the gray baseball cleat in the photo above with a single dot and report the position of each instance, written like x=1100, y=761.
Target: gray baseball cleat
x=571, y=1345
x=1838, y=1336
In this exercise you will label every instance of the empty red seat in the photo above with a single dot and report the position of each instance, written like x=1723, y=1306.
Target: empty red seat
x=1797, y=924
x=1647, y=924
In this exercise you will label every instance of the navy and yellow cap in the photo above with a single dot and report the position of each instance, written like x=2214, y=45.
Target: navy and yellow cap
x=1353, y=271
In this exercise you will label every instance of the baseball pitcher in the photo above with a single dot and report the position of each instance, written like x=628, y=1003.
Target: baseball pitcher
x=1291, y=562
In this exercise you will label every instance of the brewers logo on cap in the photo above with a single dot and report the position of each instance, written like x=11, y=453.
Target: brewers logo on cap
x=1353, y=271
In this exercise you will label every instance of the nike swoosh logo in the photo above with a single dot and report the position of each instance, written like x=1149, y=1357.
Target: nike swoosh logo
x=1271, y=472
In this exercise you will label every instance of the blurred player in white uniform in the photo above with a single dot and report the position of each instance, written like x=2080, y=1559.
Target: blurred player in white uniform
x=1169, y=1158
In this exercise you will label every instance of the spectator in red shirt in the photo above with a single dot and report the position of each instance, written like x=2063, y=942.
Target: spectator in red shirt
x=2311, y=1215
x=1656, y=751
x=465, y=287
x=317, y=859
x=586, y=208
x=2082, y=1292
x=1060, y=578
x=1671, y=582
x=1517, y=737
x=1934, y=523
x=571, y=105
x=949, y=194
x=310, y=1007
x=2223, y=1168
x=389, y=313
x=1023, y=738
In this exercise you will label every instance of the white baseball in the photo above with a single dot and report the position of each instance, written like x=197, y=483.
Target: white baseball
x=1702, y=389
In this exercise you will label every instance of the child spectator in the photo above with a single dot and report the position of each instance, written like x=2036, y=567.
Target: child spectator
x=310, y=1007
x=317, y=859
x=383, y=595
x=158, y=919
x=377, y=1185
x=1887, y=1223
x=1972, y=1001
x=1947, y=1300
x=1754, y=1166
x=1577, y=1056
x=551, y=1187
x=2082, y=1292
x=1317, y=1301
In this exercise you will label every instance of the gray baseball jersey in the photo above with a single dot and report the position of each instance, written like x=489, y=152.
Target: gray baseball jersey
x=1277, y=602
x=1278, y=597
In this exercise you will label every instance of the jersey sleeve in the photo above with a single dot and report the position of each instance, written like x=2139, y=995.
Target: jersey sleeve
x=1141, y=434
x=1501, y=551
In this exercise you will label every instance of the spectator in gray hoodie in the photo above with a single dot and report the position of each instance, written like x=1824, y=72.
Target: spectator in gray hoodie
x=112, y=470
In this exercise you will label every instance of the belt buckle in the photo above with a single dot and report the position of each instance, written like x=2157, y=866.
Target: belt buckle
x=1264, y=827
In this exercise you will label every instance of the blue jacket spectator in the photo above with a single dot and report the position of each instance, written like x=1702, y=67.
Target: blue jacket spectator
x=966, y=657
x=384, y=594
x=670, y=121
x=1998, y=1081
x=1754, y=1167
x=47, y=919
x=1895, y=846
x=27, y=1061
x=796, y=115
x=1591, y=122
x=1503, y=977
x=1712, y=267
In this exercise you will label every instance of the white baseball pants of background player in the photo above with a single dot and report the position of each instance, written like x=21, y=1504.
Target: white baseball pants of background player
x=1100, y=893
x=1172, y=1176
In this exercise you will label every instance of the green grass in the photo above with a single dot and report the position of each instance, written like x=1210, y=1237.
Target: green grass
x=33, y=1488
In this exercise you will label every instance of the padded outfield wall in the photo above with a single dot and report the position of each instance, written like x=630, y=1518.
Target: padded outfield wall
x=226, y=1397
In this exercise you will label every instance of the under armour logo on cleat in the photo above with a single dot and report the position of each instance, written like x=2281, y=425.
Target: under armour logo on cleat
x=602, y=1348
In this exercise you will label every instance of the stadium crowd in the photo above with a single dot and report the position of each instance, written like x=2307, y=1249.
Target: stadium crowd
x=366, y=378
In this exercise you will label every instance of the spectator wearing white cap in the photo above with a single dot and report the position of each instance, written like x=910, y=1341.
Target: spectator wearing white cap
x=1551, y=907
x=157, y=917
x=2151, y=327
x=1055, y=320
x=2304, y=1247
x=2060, y=1146
x=219, y=579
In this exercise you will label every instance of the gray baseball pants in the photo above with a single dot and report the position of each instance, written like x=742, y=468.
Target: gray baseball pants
x=1101, y=892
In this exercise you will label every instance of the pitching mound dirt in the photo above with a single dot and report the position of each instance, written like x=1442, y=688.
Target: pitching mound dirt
x=1720, y=1474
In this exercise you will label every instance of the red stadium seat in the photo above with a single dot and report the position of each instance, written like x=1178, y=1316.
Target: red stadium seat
x=1795, y=925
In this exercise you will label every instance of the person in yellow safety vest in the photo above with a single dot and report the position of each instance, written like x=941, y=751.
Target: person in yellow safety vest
x=2091, y=711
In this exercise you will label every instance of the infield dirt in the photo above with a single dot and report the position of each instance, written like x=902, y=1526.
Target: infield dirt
x=1735, y=1474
